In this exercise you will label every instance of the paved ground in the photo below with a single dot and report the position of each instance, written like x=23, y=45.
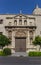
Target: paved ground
x=20, y=60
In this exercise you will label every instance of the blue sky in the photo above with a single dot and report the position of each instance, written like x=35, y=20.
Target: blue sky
x=14, y=6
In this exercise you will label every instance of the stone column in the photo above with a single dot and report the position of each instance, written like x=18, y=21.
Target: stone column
x=13, y=41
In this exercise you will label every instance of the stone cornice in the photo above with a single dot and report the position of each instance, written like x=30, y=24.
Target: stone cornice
x=21, y=27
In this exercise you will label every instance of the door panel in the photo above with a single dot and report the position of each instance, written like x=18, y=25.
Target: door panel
x=20, y=44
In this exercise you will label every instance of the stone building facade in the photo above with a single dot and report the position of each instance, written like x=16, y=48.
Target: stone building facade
x=21, y=29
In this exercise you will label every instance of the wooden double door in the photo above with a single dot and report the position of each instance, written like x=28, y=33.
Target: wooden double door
x=20, y=44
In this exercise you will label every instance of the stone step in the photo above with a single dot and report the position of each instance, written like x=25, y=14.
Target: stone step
x=20, y=54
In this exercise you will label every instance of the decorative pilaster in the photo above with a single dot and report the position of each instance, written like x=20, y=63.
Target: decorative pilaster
x=27, y=41
x=28, y=38
x=13, y=41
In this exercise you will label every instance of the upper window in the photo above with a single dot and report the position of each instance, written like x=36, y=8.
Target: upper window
x=1, y=21
x=20, y=22
x=15, y=22
x=25, y=22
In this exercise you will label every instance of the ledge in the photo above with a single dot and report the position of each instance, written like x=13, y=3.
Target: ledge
x=20, y=27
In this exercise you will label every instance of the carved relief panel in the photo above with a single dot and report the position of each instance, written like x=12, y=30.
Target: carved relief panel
x=20, y=33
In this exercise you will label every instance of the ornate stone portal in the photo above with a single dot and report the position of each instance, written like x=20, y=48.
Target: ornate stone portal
x=21, y=39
